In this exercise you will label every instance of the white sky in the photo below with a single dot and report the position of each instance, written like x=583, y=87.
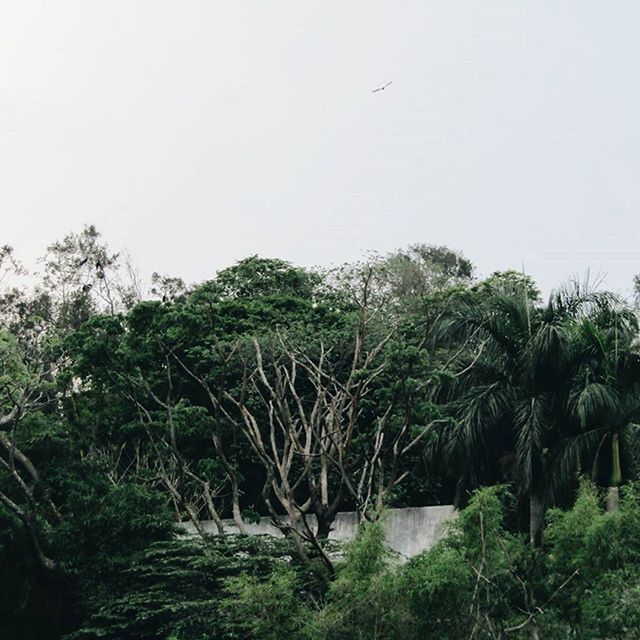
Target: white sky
x=197, y=132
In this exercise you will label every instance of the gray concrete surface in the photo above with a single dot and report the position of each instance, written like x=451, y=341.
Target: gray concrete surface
x=408, y=531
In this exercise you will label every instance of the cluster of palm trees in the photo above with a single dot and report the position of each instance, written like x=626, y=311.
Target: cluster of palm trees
x=545, y=392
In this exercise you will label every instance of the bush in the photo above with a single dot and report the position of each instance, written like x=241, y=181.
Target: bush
x=482, y=581
x=366, y=599
x=190, y=589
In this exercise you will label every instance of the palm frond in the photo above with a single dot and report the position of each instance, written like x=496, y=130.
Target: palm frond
x=567, y=458
x=531, y=424
x=593, y=400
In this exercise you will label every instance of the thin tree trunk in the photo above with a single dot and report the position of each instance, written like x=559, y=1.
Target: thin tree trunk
x=613, y=494
x=213, y=512
x=536, y=519
x=613, y=499
x=235, y=505
x=535, y=635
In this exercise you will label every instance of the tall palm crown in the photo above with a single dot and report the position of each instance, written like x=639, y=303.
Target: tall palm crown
x=513, y=378
x=604, y=399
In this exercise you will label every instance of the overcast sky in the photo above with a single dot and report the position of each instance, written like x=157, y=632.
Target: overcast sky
x=197, y=132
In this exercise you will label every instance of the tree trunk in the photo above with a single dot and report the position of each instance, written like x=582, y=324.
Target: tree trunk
x=613, y=494
x=534, y=630
x=324, y=526
x=613, y=499
x=536, y=519
x=211, y=508
x=237, y=514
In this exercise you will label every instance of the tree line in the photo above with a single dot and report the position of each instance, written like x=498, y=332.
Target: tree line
x=399, y=380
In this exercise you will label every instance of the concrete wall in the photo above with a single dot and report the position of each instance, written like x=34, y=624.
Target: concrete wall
x=408, y=531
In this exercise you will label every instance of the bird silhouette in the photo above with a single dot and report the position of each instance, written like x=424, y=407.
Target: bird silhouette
x=86, y=288
x=82, y=262
x=382, y=88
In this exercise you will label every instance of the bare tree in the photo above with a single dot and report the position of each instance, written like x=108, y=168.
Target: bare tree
x=158, y=460
x=216, y=393
x=301, y=411
x=22, y=377
x=82, y=274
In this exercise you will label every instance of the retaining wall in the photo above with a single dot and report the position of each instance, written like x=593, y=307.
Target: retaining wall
x=408, y=531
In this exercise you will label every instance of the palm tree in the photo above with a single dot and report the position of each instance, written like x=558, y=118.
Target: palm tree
x=511, y=383
x=604, y=399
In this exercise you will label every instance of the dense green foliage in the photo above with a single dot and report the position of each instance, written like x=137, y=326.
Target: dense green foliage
x=190, y=589
x=272, y=390
x=483, y=579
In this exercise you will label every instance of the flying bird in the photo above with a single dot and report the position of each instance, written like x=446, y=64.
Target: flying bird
x=382, y=88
